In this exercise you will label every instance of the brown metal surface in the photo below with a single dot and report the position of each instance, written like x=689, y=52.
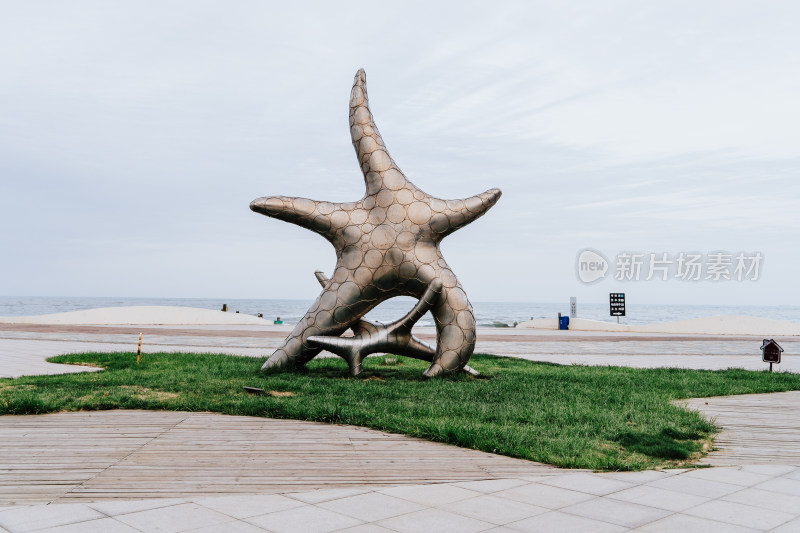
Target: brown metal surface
x=387, y=245
x=372, y=337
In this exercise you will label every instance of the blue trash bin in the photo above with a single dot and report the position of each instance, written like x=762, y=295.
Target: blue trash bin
x=563, y=322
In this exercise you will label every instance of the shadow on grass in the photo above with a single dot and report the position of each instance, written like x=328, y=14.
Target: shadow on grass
x=666, y=444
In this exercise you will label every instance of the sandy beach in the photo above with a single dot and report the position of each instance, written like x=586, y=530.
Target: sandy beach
x=714, y=343
x=187, y=316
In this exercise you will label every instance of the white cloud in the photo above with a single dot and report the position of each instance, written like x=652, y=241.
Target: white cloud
x=143, y=129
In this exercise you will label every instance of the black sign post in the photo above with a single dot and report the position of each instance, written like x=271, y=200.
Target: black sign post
x=616, y=302
x=771, y=352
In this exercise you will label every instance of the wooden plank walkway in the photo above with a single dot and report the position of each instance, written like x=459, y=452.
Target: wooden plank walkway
x=757, y=428
x=89, y=456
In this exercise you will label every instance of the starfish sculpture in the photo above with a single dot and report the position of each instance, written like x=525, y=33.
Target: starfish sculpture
x=370, y=337
x=387, y=245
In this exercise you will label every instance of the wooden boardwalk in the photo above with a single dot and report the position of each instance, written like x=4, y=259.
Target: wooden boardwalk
x=88, y=456
x=757, y=428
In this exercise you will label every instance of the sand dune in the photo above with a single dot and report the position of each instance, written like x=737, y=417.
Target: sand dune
x=140, y=315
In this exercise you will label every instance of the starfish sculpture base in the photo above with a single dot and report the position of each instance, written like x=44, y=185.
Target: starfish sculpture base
x=387, y=245
x=396, y=338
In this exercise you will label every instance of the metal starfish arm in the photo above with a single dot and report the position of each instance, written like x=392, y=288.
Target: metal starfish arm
x=321, y=277
x=372, y=338
x=310, y=214
x=380, y=170
x=348, y=348
x=459, y=213
x=416, y=348
x=428, y=300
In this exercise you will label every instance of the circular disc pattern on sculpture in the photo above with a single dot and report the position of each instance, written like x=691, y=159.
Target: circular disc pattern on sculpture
x=387, y=245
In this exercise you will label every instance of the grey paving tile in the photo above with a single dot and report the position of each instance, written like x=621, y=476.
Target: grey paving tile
x=617, y=512
x=491, y=485
x=645, y=476
x=431, y=495
x=788, y=527
x=537, y=478
x=698, y=487
x=23, y=357
x=175, y=518
x=494, y=509
x=248, y=505
x=596, y=484
x=793, y=474
x=659, y=498
x=234, y=526
x=308, y=519
x=100, y=525
x=556, y=521
x=113, y=508
x=766, y=500
x=740, y=515
x=780, y=485
x=771, y=470
x=43, y=516
x=434, y=520
x=324, y=495
x=734, y=476
x=691, y=524
x=544, y=495
x=371, y=507
x=366, y=528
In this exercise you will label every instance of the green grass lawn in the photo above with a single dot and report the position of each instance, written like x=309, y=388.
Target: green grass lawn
x=602, y=418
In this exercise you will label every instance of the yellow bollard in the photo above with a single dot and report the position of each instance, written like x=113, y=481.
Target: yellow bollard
x=139, y=349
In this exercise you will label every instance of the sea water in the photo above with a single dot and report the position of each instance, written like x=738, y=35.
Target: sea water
x=498, y=314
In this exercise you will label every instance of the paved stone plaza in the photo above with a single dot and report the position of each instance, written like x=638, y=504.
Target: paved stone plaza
x=153, y=471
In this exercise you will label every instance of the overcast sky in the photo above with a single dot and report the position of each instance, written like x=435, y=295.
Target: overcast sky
x=134, y=134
